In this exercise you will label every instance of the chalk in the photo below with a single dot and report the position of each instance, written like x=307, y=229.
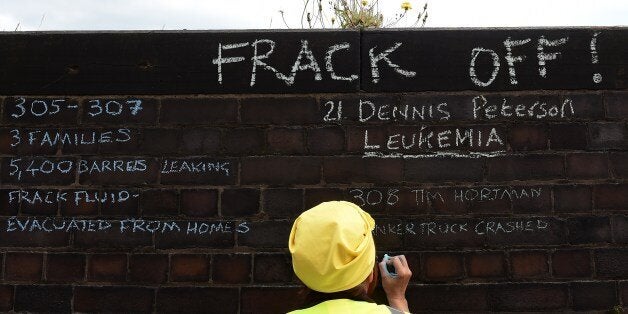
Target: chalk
x=390, y=268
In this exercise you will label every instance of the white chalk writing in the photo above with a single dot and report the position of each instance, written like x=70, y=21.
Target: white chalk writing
x=538, y=110
x=99, y=107
x=114, y=165
x=195, y=166
x=124, y=226
x=35, y=197
x=40, y=107
x=52, y=138
x=513, y=59
x=421, y=197
x=375, y=59
x=486, y=227
x=38, y=166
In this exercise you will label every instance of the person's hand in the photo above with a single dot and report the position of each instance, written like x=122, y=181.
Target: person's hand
x=395, y=287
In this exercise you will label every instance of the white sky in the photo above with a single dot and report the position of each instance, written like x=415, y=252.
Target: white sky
x=33, y=15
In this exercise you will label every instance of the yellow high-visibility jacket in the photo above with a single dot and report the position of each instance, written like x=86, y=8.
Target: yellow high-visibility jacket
x=347, y=306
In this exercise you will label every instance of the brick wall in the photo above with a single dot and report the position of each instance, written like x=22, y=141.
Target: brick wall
x=161, y=171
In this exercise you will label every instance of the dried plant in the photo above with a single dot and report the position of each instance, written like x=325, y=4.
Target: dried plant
x=354, y=14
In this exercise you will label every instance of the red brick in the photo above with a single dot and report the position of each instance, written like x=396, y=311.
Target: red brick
x=316, y=196
x=33, y=239
x=619, y=164
x=572, y=199
x=587, y=166
x=239, y=202
x=286, y=141
x=243, y=142
x=279, y=110
x=270, y=300
x=6, y=298
x=266, y=234
x=49, y=299
x=283, y=202
x=326, y=141
x=568, y=136
x=231, y=268
x=146, y=115
x=623, y=292
x=280, y=170
x=413, y=259
x=158, y=141
x=586, y=105
x=20, y=266
x=443, y=266
x=589, y=296
x=148, y=268
x=272, y=268
x=159, y=202
x=199, y=141
x=611, y=197
x=608, y=135
x=541, y=204
x=113, y=299
x=528, y=297
x=129, y=207
x=611, y=263
x=189, y=268
x=113, y=238
x=65, y=267
x=201, y=110
x=620, y=229
x=571, y=263
x=526, y=137
x=443, y=169
x=358, y=169
x=9, y=206
x=6, y=141
x=616, y=105
x=486, y=265
x=529, y=264
x=447, y=298
x=107, y=267
x=199, y=203
x=583, y=230
x=525, y=167
x=197, y=300
x=120, y=177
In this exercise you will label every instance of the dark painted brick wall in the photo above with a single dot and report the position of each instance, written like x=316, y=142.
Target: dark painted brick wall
x=156, y=171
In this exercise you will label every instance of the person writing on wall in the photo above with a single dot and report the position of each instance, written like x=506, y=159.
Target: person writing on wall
x=333, y=254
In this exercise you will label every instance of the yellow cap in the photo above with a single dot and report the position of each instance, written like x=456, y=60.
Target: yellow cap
x=332, y=246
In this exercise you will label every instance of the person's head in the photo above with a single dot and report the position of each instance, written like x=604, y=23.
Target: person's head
x=332, y=247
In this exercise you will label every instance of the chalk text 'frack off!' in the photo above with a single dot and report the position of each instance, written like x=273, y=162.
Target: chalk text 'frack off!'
x=260, y=51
